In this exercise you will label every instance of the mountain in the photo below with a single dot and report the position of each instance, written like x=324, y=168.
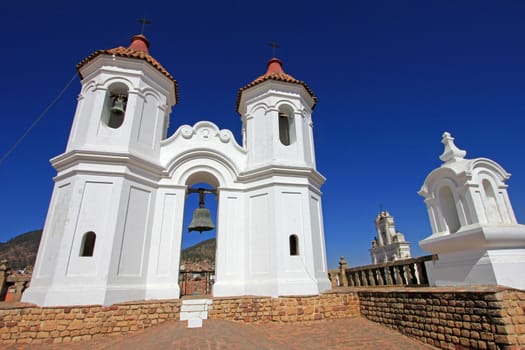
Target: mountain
x=21, y=251
x=201, y=252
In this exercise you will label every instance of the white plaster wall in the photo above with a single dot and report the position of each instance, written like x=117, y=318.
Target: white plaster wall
x=260, y=244
x=231, y=255
x=166, y=240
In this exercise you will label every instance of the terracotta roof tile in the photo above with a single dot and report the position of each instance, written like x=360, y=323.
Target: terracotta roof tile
x=139, y=49
x=274, y=72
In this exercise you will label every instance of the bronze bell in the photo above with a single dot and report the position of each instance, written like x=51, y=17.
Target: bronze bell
x=119, y=104
x=201, y=217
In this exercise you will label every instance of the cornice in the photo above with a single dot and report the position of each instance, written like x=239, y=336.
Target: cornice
x=103, y=163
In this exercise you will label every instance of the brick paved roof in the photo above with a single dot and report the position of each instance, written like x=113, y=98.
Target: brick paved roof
x=139, y=49
x=274, y=72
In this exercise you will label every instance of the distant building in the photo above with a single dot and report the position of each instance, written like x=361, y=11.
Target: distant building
x=388, y=245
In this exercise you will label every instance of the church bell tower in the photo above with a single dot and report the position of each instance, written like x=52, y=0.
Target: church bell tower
x=96, y=239
x=285, y=235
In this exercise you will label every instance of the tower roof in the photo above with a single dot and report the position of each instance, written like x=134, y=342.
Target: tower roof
x=275, y=72
x=139, y=49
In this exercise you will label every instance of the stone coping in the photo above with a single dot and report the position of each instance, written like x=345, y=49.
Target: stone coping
x=443, y=289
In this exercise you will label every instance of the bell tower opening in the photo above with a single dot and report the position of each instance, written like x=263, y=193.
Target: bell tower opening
x=199, y=238
x=286, y=127
x=115, y=105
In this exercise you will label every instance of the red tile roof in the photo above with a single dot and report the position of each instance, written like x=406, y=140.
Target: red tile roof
x=139, y=49
x=275, y=72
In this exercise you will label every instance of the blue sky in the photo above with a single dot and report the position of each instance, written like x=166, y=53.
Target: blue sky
x=391, y=77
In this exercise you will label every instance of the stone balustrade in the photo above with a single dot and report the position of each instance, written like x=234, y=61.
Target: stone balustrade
x=406, y=272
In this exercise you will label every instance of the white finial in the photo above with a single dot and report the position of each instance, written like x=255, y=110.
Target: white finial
x=451, y=152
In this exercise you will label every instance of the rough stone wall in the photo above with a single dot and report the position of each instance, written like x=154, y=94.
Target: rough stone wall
x=448, y=318
x=26, y=323
x=330, y=305
x=480, y=318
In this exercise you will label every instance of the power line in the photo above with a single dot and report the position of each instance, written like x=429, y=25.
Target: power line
x=35, y=122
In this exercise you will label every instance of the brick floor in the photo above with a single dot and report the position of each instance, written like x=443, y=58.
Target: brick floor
x=351, y=333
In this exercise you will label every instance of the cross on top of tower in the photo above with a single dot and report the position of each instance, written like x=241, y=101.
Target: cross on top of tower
x=143, y=21
x=274, y=45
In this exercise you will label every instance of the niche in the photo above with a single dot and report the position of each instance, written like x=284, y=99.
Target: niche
x=448, y=208
x=294, y=245
x=88, y=244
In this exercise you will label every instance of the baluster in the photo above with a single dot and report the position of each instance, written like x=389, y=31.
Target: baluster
x=363, y=278
x=380, y=279
x=412, y=273
x=388, y=272
x=398, y=277
x=371, y=277
x=350, y=279
x=422, y=273
x=355, y=279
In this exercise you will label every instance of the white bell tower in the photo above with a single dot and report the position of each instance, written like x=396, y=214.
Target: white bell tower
x=276, y=111
x=124, y=104
x=285, y=235
x=96, y=239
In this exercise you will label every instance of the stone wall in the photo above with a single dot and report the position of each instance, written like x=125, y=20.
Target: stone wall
x=448, y=318
x=329, y=305
x=451, y=318
x=26, y=323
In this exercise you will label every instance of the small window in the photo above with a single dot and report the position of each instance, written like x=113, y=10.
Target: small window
x=294, y=245
x=88, y=244
x=284, y=129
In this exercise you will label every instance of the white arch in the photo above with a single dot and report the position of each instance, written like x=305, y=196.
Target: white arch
x=183, y=169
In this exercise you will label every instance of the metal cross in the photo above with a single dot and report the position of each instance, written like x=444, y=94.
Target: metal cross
x=144, y=21
x=274, y=46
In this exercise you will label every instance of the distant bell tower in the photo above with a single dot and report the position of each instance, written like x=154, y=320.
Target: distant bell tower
x=95, y=244
x=388, y=245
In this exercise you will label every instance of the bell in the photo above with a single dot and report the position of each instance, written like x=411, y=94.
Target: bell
x=201, y=221
x=119, y=105
x=201, y=217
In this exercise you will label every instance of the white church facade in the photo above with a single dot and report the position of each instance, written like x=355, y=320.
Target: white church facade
x=114, y=227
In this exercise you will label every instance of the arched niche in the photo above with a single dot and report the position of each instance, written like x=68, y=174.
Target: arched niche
x=448, y=208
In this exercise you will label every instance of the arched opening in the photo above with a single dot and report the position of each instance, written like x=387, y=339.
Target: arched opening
x=448, y=208
x=286, y=129
x=87, y=246
x=294, y=245
x=197, y=262
x=115, y=105
x=491, y=205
